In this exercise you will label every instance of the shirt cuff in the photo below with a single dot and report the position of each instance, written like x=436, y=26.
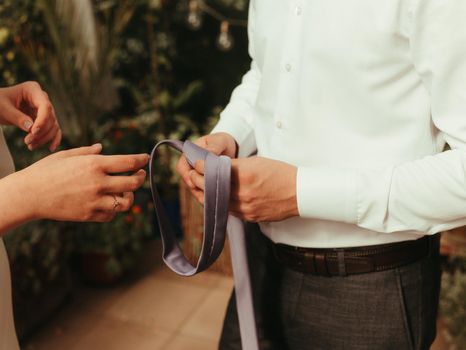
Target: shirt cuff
x=241, y=131
x=327, y=194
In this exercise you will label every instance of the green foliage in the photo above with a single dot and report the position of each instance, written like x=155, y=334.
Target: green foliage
x=126, y=74
x=38, y=255
x=122, y=239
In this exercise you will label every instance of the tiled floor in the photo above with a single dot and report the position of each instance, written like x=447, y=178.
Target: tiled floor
x=158, y=310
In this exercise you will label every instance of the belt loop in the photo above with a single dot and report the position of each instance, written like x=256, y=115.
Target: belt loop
x=312, y=265
x=320, y=261
x=341, y=263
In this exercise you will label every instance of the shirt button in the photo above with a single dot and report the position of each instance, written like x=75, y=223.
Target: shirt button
x=278, y=124
x=299, y=10
x=288, y=67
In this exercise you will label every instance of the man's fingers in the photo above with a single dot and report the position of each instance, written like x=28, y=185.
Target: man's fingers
x=199, y=166
x=198, y=195
x=201, y=142
x=183, y=168
x=236, y=206
x=81, y=151
x=215, y=149
x=238, y=215
x=197, y=179
x=122, y=184
x=124, y=163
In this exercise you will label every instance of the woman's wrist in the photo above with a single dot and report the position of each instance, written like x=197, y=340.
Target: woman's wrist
x=16, y=203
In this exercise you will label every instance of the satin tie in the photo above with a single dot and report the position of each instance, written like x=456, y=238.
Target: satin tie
x=217, y=173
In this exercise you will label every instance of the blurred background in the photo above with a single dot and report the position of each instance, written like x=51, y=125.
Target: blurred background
x=128, y=73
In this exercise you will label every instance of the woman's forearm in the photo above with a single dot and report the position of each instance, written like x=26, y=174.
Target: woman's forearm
x=15, y=209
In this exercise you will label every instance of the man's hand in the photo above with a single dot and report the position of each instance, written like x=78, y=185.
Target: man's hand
x=28, y=107
x=219, y=143
x=262, y=189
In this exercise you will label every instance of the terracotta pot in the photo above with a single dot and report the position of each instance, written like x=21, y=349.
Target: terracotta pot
x=96, y=269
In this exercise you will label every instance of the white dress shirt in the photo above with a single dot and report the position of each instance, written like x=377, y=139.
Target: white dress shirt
x=360, y=95
x=8, y=339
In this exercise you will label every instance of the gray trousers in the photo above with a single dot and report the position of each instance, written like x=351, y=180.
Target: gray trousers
x=393, y=309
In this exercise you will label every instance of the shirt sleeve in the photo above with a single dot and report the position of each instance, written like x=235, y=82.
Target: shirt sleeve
x=237, y=117
x=426, y=195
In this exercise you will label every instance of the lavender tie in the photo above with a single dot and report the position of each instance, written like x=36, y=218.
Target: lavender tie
x=216, y=222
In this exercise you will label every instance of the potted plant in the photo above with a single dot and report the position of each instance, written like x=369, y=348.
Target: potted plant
x=110, y=250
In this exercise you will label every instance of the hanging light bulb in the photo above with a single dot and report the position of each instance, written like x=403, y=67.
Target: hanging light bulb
x=225, y=39
x=194, y=19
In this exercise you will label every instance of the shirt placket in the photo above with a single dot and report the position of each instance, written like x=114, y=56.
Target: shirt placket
x=289, y=65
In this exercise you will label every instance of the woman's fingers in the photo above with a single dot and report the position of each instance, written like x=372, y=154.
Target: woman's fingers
x=116, y=203
x=103, y=216
x=80, y=151
x=37, y=104
x=122, y=184
x=110, y=205
x=44, y=138
x=124, y=163
x=38, y=133
x=18, y=118
x=45, y=113
x=56, y=141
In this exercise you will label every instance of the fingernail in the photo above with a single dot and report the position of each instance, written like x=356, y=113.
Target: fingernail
x=35, y=131
x=27, y=125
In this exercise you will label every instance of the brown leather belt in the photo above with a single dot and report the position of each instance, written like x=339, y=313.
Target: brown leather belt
x=351, y=261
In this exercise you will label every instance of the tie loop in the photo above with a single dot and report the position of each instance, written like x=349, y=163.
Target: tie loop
x=217, y=175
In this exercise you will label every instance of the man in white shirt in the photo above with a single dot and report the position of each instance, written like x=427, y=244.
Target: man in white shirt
x=349, y=105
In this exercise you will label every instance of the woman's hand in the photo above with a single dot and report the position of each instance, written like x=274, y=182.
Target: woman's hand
x=73, y=185
x=28, y=107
